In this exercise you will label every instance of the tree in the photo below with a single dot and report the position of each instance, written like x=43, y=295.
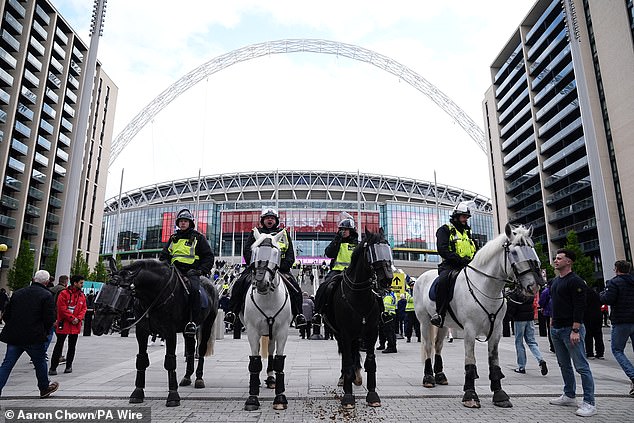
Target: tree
x=118, y=263
x=583, y=265
x=51, y=261
x=21, y=273
x=100, y=274
x=80, y=265
x=545, y=261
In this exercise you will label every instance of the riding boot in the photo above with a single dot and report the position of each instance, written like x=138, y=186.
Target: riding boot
x=441, y=299
x=296, y=298
x=238, y=296
x=194, y=303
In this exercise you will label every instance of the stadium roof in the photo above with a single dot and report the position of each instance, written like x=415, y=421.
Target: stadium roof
x=309, y=185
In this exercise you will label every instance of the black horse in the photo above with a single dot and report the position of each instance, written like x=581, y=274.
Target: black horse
x=160, y=301
x=355, y=309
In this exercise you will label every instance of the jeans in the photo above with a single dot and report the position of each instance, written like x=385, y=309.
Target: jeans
x=566, y=353
x=620, y=333
x=38, y=356
x=525, y=331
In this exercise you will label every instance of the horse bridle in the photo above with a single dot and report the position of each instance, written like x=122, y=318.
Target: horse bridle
x=375, y=253
x=519, y=268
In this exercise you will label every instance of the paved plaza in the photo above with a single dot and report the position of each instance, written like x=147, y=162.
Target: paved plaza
x=103, y=376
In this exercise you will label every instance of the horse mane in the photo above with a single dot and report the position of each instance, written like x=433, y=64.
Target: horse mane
x=520, y=236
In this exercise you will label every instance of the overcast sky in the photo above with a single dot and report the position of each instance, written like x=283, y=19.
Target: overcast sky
x=303, y=110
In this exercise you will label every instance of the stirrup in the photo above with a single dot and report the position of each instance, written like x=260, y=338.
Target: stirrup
x=190, y=329
x=300, y=321
x=437, y=320
x=230, y=317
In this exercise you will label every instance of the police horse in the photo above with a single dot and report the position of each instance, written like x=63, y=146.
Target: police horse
x=354, y=310
x=478, y=308
x=267, y=312
x=159, y=296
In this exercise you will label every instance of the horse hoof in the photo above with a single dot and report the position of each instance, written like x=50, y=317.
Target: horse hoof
x=199, y=384
x=280, y=402
x=471, y=404
x=347, y=401
x=503, y=404
x=280, y=406
x=185, y=382
x=135, y=400
x=137, y=396
x=441, y=379
x=252, y=403
x=347, y=406
x=172, y=403
x=270, y=382
x=375, y=404
x=373, y=399
x=429, y=381
x=358, y=381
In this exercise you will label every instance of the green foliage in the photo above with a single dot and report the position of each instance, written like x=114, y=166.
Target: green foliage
x=51, y=261
x=583, y=265
x=545, y=261
x=100, y=274
x=80, y=265
x=21, y=273
x=118, y=263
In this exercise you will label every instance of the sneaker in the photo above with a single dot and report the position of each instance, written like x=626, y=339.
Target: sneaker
x=68, y=370
x=600, y=357
x=45, y=393
x=544, y=367
x=563, y=400
x=62, y=359
x=389, y=350
x=52, y=372
x=520, y=370
x=380, y=347
x=586, y=410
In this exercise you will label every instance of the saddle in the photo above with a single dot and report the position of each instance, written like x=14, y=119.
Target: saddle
x=202, y=293
x=325, y=293
x=451, y=283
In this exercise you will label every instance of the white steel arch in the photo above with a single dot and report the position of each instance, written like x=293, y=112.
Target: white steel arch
x=295, y=46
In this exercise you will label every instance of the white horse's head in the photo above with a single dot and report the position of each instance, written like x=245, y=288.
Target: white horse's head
x=265, y=261
x=523, y=258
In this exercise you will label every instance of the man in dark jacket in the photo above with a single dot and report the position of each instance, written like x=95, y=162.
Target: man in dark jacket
x=456, y=247
x=619, y=294
x=29, y=317
x=269, y=221
x=189, y=251
x=521, y=310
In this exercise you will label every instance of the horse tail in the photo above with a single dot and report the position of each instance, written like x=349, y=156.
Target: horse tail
x=211, y=342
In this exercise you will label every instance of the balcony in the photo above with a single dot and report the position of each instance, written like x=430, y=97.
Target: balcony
x=8, y=241
x=9, y=202
x=7, y=222
x=52, y=218
x=55, y=202
x=50, y=235
x=36, y=193
x=30, y=229
x=572, y=209
x=12, y=183
x=32, y=211
x=57, y=186
x=577, y=227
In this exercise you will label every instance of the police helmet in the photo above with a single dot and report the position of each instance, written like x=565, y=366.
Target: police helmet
x=461, y=208
x=347, y=223
x=187, y=215
x=269, y=211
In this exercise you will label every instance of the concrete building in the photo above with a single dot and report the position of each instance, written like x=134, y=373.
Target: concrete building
x=227, y=207
x=42, y=62
x=559, y=120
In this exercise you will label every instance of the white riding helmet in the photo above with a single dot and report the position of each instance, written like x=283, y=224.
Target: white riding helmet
x=347, y=223
x=462, y=208
x=269, y=211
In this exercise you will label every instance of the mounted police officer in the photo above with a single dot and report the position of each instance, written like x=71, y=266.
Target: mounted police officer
x=456, y=246
x=340, y=251
x=269, y=220
x=189, y=251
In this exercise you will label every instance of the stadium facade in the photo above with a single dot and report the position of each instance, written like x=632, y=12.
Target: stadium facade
x=227, y=207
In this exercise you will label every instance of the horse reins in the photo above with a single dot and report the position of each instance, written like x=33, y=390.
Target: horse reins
x=270, y=320
x=145, y=313
x=350, y=284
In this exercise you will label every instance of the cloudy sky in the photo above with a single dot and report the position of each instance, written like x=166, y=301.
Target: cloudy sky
x=302, y=110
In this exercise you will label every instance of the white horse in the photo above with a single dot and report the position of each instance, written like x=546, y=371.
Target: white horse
x=267, y=312
x=478, y=307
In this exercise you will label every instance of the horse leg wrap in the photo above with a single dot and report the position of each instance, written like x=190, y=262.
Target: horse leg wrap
x=437, y=363
x=470, y=375
x=170, y=362
x=370, y=363
x=496, y=375
x=428, y=375
x=370, y=369
x=270, y=366
x=428, y=369
x=278, y=365
x=255, y=367
x=142, y=361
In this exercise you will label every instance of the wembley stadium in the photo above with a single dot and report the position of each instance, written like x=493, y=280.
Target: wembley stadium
x=227, y=207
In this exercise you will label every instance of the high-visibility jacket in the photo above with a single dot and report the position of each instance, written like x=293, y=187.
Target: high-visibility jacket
x=461, y=242
x=344, y=256
x=184, y=250
x=410, y=302
x=389, y=303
